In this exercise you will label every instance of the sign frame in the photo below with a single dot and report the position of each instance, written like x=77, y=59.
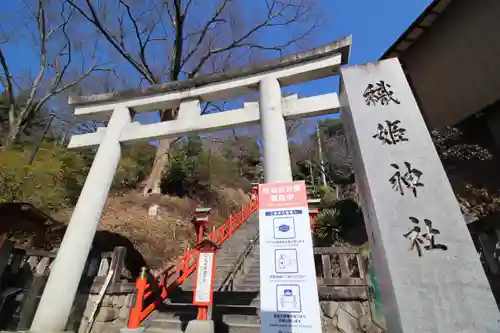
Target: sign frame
x=197, y=286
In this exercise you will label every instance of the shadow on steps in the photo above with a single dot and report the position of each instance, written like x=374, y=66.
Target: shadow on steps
x=221, y=298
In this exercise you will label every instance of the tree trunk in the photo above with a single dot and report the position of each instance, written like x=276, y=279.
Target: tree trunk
x=153, y=184
x=14, y=130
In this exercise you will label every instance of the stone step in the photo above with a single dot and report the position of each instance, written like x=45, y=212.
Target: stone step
x=220, y=297
x=226, y=261
x=246, y=281
x=177, y=317
x=232, y=329
x=247, y=287
x=175, y=326
x=239, y=304
x=251, y=275
x=252, y=270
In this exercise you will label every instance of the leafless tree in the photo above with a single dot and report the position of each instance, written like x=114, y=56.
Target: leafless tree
x=197, y=37
x=49, y=28
x=337, y=159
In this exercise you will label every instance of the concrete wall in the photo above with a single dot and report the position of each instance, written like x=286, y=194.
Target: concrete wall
x=454, y=66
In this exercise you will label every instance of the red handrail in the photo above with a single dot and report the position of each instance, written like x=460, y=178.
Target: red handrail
x=180, y=271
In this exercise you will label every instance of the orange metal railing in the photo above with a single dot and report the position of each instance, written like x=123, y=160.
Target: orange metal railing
x=179, y=272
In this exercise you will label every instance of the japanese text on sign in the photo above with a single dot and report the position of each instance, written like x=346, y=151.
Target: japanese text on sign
x=403, y=179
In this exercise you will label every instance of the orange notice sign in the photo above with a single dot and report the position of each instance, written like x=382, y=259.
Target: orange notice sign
x=282, y=195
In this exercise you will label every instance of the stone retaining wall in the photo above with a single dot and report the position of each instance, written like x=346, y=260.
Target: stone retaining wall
x=347, y=317
x=111, y=315
x=337, y=316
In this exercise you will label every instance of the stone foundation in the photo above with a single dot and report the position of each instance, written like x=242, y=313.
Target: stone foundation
x=347, y=317
x=111, y=316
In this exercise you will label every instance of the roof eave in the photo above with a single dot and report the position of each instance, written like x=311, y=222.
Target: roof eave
x=430, y=13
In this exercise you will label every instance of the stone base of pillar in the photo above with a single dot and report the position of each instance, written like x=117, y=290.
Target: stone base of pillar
x=200, y=326
x=132, y=330
x=30, y=332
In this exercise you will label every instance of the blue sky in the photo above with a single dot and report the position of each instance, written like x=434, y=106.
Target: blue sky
x=373, y=24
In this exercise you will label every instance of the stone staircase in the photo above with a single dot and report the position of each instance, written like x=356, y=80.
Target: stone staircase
x=236, y=298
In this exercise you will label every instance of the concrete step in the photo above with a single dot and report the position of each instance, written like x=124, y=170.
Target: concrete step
x=220, y=297
x=252, y=270
x=227, y=261
x=250, y=303
x=245, y=281
x=174, y=326
x=177, y=317
x=252, y=275
x=247, y=288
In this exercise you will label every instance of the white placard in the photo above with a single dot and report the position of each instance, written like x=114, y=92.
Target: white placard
x=288, y=292
x=203, y=284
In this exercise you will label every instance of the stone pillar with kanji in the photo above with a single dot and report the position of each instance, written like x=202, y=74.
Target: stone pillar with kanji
x=430, y=275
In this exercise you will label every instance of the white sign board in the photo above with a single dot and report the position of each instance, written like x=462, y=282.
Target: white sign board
x=203, y=283
x=288, y=291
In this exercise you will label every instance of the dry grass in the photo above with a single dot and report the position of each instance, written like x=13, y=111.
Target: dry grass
x=162, y=239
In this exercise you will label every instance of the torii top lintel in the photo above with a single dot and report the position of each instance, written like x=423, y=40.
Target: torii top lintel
x=320, y=62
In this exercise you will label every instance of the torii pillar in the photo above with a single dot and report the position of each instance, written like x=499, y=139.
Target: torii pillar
x=57, y=300
x=56, y=304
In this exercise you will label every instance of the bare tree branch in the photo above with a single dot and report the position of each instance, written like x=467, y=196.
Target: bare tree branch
x=142, y=43
x=212, y=41
x=215, y=18
x=20, y=116
x=117, y=45
x=272, y=14
x=8, y=86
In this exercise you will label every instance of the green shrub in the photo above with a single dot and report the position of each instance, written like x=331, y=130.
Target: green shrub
x=194, y=172
x=328, y=226
x=55, y=178
x=51, y=182
x=337, y=221
x=135, y=164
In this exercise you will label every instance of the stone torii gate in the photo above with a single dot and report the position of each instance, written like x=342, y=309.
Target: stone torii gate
x=431, y=278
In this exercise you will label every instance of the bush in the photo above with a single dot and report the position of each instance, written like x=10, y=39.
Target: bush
x=51, y=182
x=193, y=172
x=135, y=164
x=55, y=178
x=328, y=226
x=341, y=220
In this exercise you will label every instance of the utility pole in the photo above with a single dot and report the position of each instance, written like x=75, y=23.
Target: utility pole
x=320, y=153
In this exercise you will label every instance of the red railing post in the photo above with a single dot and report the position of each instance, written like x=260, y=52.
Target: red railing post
x=313, y=212
x=134, y=320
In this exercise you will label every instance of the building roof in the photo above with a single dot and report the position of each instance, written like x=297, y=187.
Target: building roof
x=24, y=210
x=417, y=28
